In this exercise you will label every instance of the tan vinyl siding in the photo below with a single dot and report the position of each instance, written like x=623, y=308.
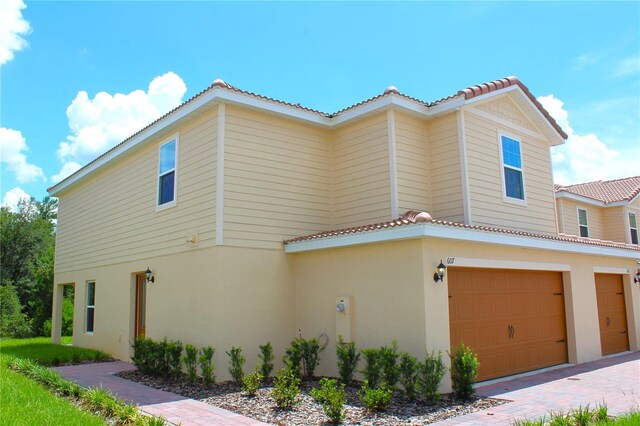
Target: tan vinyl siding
x=277, y=180
x=444, y=166
x=412, y=154
x=361, y=183
x=596, y=218
x=615, y=224
x=111, y=217
x=485, y=180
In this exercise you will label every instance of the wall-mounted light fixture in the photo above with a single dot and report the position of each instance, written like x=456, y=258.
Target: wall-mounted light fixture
x=440, y=270
x=150, y=277
x=636, y=278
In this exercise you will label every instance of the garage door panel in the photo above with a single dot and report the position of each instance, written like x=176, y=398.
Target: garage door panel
x=612, y=317
x=518, y=316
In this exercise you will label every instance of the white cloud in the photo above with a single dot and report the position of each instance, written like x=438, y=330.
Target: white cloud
x=12, y=146
x=584, y=158
x=628, y=67
x=586, y=60
x=12, y=27
x=100, y=123
x=13, y=196
x=67, y=170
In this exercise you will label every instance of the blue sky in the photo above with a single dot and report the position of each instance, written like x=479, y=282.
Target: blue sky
x=581, y=58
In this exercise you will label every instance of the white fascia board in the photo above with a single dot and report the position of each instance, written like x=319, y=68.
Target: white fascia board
x=382, y=103
x=445, y=232
x=591, y=201
x=447, y=106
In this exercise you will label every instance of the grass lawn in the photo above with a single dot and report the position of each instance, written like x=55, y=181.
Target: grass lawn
x=24, y=402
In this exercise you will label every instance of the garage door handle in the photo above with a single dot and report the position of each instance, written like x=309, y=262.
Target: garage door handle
x=623, y=332
x=608, y=322
x=510, y=331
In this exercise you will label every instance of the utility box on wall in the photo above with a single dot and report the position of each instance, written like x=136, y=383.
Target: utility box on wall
x=343, y=317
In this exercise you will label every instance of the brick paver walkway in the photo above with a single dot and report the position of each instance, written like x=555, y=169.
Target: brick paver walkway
x=174, y=408
x=614, y=380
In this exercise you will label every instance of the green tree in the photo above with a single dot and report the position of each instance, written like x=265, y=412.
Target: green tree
x=27, y=253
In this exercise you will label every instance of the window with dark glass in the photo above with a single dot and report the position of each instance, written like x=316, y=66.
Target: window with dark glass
x=583, y=222
x=167, y=173
x=512, y=168
x=91, y=302
x=633, y=228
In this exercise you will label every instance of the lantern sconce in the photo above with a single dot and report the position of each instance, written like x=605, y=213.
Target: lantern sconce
x=150, y=277
x=440, y=270
x=636, y=278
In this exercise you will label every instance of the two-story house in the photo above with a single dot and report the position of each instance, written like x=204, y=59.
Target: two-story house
x=605, y=210
x=395, y=218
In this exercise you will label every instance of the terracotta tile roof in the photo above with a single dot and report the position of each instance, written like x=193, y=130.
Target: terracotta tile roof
x=607, y=191
x=468, y=93
x=412, y=217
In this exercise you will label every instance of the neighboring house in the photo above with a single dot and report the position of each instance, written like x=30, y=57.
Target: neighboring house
x=604, y=210
x=229, y=200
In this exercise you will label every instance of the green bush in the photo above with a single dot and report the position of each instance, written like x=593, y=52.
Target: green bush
x=286, y=388
x=206, y=365
x=310, y=355
x=251, y=383
x=236, y=364
x=293, y=357
x=348, y=357
x=13, y=323
x=266, y=360
x=464, y=370
x=408, y=374
x=174, y=356
x=190, y=360
x=430, y=374
x=372, y=366
x=332, y=398
x=143, y=355
x=389, y=364
x=375, y=399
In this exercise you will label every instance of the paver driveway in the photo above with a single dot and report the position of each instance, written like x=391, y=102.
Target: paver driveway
x=614, y=380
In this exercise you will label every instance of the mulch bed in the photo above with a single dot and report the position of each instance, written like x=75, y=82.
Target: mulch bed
x=402, y=410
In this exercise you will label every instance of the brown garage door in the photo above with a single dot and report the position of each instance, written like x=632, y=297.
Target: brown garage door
x=612, y=316
x=513, y=319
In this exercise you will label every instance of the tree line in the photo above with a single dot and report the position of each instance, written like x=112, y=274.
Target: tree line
x=27, y=254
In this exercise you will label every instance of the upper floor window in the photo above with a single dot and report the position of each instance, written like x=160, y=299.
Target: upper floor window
x=633, y=228
x=90, y=307
x=583, y=223
x=167, y=173
x=512, y=168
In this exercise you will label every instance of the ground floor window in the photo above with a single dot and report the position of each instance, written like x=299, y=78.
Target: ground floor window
x=91, y=301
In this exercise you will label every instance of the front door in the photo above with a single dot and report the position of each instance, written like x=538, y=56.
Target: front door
x=141, y=297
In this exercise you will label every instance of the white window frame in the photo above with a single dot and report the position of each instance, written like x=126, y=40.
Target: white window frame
x=159, y=207
x=505, y=198
x=88, y=306
x=580, y=226
x=629, y=214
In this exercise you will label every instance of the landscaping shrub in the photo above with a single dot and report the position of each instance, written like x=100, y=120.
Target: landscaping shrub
x=348, y=357
x=389, y=364
x=293, y=357
x=286, y=388
x=375, y=398
x=310, y=355
x=142, y=355
x=373, y=367
x=251, y=383
x=162, y=358
x=174, y=356
x=206, y=366
x=332, y=398
x=430, y=374
x=236, y=364
x=266, y=360
x=464, y=370
x=408, y=374
x=190, y=360
x=13, y=323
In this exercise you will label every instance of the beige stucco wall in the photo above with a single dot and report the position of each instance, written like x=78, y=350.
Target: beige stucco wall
x=111, y=218
x=220, y=296
x=394, y=296
x=487, y=203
